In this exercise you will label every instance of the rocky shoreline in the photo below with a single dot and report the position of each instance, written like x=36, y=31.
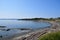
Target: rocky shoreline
x=34, y=35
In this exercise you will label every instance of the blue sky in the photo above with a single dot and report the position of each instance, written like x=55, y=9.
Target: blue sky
x=29, y=8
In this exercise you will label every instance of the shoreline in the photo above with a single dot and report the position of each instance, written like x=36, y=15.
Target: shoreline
x=28, y=35
x=34, y=35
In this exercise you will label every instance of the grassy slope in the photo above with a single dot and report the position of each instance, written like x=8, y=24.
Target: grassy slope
x=51, y=36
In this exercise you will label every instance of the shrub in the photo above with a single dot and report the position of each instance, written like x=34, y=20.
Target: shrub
x=50, y=36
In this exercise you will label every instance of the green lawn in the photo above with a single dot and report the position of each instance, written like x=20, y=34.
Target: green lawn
x=51, y=36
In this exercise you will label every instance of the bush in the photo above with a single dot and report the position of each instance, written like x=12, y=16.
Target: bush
x=51, y=36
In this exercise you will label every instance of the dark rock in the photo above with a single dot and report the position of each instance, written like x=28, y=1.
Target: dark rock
x=0, y=36
x=2, y=26
x=25, y=29
x=8, y=30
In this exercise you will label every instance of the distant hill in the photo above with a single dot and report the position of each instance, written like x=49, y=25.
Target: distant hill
x=58, y=18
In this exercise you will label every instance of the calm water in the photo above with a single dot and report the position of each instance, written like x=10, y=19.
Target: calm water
x=20, y=24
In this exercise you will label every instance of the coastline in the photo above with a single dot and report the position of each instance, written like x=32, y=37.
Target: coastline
x=30, y=35
x=34, y=35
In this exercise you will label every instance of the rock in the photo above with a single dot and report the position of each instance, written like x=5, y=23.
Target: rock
x=2, y=26
x=0, y=36
x=8, y=30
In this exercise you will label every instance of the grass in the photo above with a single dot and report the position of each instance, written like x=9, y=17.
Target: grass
x=50, y=36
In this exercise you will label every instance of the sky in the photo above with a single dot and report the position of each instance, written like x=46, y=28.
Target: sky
x=29, y=8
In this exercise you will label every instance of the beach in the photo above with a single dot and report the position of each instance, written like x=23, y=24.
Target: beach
x=35, y=34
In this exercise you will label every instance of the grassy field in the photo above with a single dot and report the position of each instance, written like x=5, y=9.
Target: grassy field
x=51, y=36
